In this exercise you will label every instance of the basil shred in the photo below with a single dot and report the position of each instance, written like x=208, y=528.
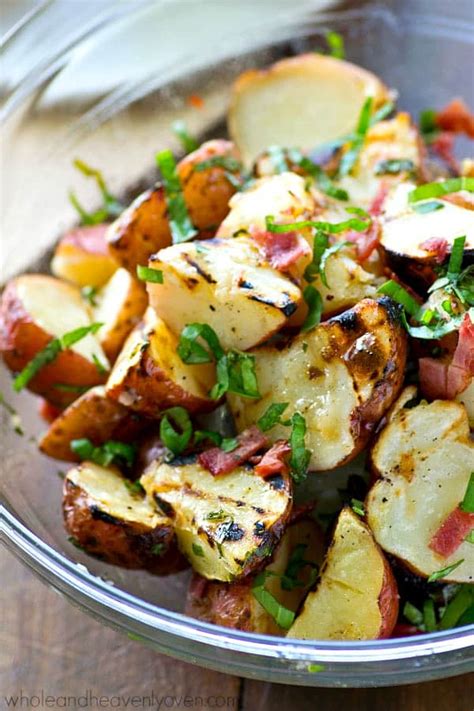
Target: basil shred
x=187, y=141
x=153, y=276
x=182, y=229
x=111, y=207
x=110, y=452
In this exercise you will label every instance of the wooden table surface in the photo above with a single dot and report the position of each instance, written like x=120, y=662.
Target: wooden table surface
x=49, y=647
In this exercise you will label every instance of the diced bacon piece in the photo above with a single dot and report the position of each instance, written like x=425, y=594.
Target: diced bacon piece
x=456, y=118
x=452, y=532
x=281, y=250
x=376, y=207
x=438, y=246
x=273, y=461
x=365, y=242
x=216, y=461
x=443, y=146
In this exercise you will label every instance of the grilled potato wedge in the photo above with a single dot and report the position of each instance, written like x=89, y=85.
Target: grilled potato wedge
x=143, y=228
x=342, y=377
x=299, y=102
x=226, y=525
x=82, y=257
x=119, y=305
x=108, y=520
x=424, y=458
x=149, y=375
x=225, y=283
x=92, y=416
x=36, y=308
x=234, y=605
x=356, y=596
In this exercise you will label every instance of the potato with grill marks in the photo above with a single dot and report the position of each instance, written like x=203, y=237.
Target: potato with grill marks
x=342, y=377
x=226, y=525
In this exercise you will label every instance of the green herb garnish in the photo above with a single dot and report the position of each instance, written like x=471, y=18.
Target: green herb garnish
x=413, y=614
x=154, y=276
x=438, y=189
x=300, y=456
x=335, y=42
x=227, y=162
x=393, y=166
x=428, y=126
x=176, y=429
x=296, y=563
x=158, y=549
x=444, y=571
x=134, y=487
x=282, y=615
x=271, y=416
x=429, y=615
x=351, y=156
x=314, y=303
x=467, y=503
x=180, y=223
x=50, y=352
x=358, y=507
x=110, y=452
x=198, y=550
x=111, y=207
x=89, y=294
x=191, y=351
x=187, y=141
x=401, y=296
x=430, y=206
x=359, y=225
x=457, y=607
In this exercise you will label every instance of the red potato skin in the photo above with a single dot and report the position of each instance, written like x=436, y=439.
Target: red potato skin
x=388, y=602
x=220, y=603
x=117, y=543
x=82, y=256
x=91, y=239
x=143, y=229
x=21, y=339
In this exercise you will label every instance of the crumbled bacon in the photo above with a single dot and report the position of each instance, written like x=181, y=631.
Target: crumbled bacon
x=366, y=241
x=281, y=250
x=216, y=461
x=196, y=101
x=463, y=357
x=443, y=146
x=274, y=461
x=452, y=532
x=437, y=246
x=376, y=206
x=456, y=118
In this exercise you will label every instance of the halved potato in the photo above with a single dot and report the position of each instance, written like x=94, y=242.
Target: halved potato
x=82, y=257
x=119, y=305
x=234, y=604
x=149, y=376
x=36, y=308
x=92, y=416
x=342, y=377
x=424, y=457
x=356, y=596
x=108, y=520
x=226, y=284
x=299, y=102
x=143, y=228
x=226, y=525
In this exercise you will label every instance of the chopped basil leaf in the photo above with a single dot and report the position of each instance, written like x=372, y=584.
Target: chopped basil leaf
x=176, y=429
x=134, y=487
x=228, y=444
x=188, y=143
x=296, y=563
x=470, y=537
x=393, y=166
x=180, y=223
x=467, y=503
x=89, y=293
x=413, y=614
x=111, y=207
x=282, y=616
x=335, y=43
x=401, y=296
x=191, y=351
x=236, y=374
x=329, y=227
x=457, y=607
x=358, y=507
x=444, y=571
x=433, y=332
x=220, y=515
x=354, y=148
x=456, y=257
x=315, y=171
x=50, y=353
x=382, y=113
x=271, y=416
x=429, y=206
x=428, y=125
x=101, y=368
x=429, y=615
x=105, y=454
x=434, y=190
x=203, y=435
x=314, y=668
x=154, y=276
x=300, y=456
x=158, y=549
x=328, y=252
x=66, y=388
x=314, y=302
x=198, y=550
x=228, y=162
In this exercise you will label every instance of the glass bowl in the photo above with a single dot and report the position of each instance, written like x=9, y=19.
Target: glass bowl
x=104, y=83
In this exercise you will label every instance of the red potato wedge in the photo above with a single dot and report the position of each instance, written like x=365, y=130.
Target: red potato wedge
x=226, y=284
x=234, y=605
x=150, y=377
x=144, y=229
x=342, y=377
x=92, y=416
x=35, y=309
x=82, y=257
x=119, y=305
x=108, y=520
x=226, y=525
x=356, y=596
x=299, y=102
x=423, y=458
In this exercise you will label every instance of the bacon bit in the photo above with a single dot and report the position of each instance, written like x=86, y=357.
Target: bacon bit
x=463, y=357
x=456, y=118
x=281, y=250
x=273, y=461
x=216, y=461
x=196, y=101
x=452, y=532
x=376, y=206
x=404, y=630
x=443, y=146
x=365, y=242
x=47, y=411
x=440, y=380
x=197, y=587
x=437, y=246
